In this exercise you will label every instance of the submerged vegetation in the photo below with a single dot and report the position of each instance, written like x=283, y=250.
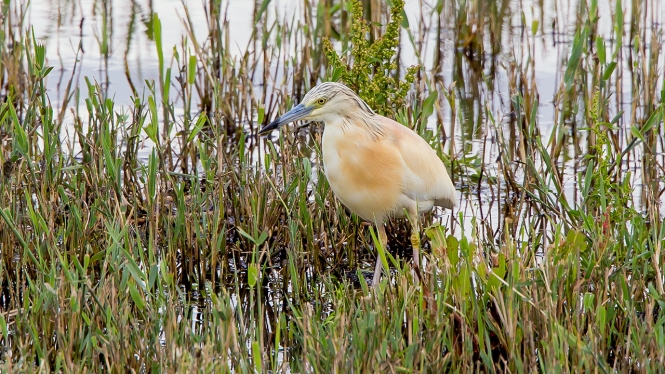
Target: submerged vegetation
x=165, y=236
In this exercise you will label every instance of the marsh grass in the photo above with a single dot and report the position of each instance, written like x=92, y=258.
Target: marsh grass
x=217, y=251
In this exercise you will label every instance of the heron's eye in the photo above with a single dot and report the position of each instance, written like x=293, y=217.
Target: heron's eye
x=321, y=101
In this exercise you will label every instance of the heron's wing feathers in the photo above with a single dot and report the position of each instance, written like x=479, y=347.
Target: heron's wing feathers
x=426, y=178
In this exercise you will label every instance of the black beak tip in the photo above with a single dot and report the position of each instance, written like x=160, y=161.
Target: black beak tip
x=269, y=127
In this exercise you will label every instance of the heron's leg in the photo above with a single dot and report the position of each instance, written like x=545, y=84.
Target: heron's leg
x=383, y=238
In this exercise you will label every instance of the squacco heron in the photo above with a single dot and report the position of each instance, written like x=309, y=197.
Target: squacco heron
x=376, y=167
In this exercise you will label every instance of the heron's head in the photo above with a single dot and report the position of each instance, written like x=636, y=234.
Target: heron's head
x=326, y=99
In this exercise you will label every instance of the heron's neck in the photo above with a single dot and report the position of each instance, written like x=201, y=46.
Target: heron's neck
x=353, y=123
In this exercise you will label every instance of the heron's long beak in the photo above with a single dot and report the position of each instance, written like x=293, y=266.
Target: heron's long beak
x=300, y=111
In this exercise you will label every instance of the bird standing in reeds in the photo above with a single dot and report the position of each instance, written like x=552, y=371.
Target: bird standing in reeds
x=376, y=167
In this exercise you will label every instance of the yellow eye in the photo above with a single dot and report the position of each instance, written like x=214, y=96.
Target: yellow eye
x=321, y=101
